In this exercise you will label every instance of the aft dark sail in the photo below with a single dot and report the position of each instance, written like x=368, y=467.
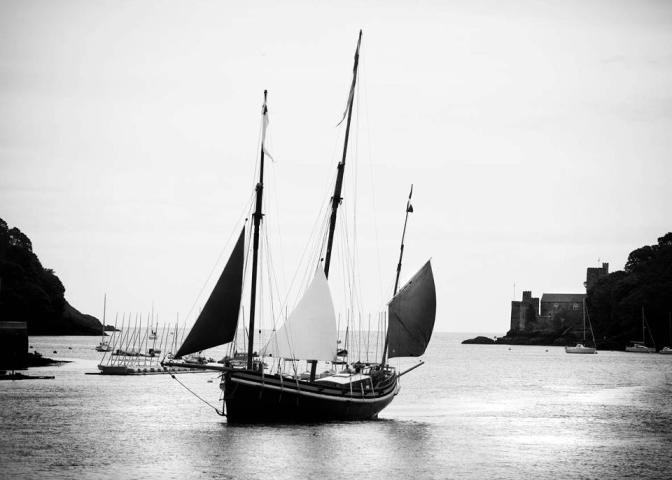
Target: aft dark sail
x=411, y=315
x=217, y=322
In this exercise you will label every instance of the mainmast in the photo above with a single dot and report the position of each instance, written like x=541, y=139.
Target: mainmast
x=257, y=216
x=336, y=198
x=409, y=209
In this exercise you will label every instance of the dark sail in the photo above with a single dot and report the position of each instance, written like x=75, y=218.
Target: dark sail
x=411, y=315
x=217, y=322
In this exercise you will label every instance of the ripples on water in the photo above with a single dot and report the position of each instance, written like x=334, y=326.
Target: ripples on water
x=473, y=411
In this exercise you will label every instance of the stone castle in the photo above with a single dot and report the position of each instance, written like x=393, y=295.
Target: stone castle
x=556, y=313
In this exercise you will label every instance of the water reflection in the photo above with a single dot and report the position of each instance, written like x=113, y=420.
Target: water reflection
x=469, y=413
x=290, y=451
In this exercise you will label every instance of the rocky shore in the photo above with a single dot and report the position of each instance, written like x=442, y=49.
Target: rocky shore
x=532, y=339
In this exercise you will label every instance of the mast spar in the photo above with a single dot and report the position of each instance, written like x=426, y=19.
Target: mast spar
x=336, y=198
x=409, y=209
x=257, y=216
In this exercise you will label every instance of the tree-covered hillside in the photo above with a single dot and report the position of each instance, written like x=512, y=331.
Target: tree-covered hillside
x=615, y=302
x=34, y=294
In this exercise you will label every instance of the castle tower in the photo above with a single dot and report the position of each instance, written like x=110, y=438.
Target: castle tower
x=593, y=274
x=524, y=312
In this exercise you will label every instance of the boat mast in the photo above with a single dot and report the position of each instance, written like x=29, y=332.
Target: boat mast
x=336, y=198
x=409, y=209
x=102, y=333
x=584, y=320
x=257, y=216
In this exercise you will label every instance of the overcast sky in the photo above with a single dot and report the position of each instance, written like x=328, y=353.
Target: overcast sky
x=537, y=135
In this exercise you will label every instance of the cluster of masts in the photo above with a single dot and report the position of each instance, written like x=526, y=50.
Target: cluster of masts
x=139, y=348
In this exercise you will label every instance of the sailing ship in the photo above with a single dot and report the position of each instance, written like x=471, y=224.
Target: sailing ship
x=253, y=391
x=581, y=347
x=637, y=346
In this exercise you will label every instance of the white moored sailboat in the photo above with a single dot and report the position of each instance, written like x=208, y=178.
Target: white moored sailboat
x=581, y=347
x=640, y=347
x=104, y=345
x=268, y=387
x=667, y=350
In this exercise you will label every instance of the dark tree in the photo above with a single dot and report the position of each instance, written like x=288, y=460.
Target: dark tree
x=28, y=291
x=617, y=302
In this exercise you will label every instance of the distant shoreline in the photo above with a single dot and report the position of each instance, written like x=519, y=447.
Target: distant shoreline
x=537, y=340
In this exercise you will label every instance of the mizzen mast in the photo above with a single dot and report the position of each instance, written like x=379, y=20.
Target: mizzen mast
x=409, y=209
x=257, y=217
x=336, y=198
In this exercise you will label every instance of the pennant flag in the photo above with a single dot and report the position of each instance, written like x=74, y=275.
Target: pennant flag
x=264, y=126
x=409, y=207
x=347, y=105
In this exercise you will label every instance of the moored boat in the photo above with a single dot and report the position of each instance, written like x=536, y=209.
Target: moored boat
x=104, y=345
x=667, y=350
x=581, y=347
x=637, y=346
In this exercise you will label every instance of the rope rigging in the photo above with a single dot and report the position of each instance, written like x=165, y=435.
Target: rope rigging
x=219, y=412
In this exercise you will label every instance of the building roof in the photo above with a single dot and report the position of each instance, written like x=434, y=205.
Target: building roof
x=563, y=297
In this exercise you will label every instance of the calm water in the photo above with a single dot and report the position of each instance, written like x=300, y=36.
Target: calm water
x=472, y=411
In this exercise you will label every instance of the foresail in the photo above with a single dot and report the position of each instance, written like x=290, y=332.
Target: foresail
x=309, y=333
x=217, y=322
x=411, y=315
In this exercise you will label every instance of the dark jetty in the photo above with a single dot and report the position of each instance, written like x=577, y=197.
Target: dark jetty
x=21, y=376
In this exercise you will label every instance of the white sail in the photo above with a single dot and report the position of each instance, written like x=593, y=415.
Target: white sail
x=309, y=333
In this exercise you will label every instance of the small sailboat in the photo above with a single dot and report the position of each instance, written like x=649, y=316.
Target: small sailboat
x=263, y=388
x=581, y=347
x=667, y=350
x=637, y=346
x=104, y=345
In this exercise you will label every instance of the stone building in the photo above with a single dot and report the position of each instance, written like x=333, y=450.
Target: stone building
x=524, y=313
x=556, y=313
x=563, y=310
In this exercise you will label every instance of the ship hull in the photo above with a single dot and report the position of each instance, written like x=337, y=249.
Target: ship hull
x=252, y=398
x=581, y=349
x=640, y=349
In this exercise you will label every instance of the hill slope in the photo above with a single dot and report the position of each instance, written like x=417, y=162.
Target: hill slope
x=34, y=294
